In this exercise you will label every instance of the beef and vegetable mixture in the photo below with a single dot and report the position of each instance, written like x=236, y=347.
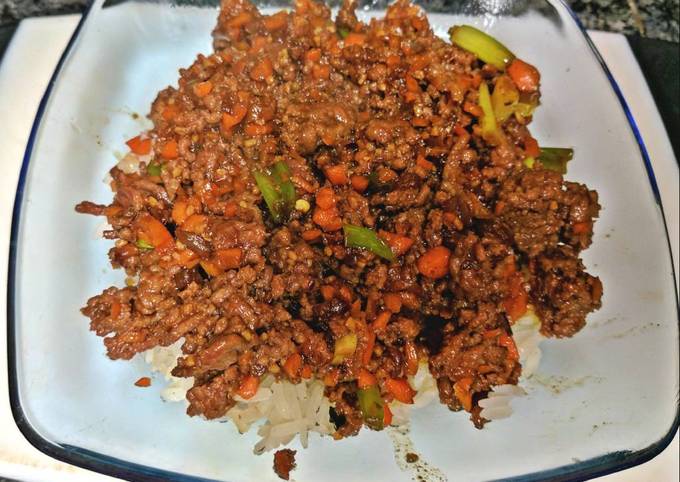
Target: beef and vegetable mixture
x=343, y=200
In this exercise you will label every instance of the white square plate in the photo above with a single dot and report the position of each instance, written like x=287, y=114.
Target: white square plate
x=602, y=401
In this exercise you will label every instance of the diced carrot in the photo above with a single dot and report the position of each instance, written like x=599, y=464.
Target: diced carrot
x=337, y=174
x=420, y=122
x=143, y=382
x=398, y=243
x=392, y=61
x=258, y=43
x=354, y=38
x=239, y=20
x=489, y=334
x=203, y=88
x=435, y=262
x=325, y=198
x=500, y=206
x=419, y=23
x=187, y=258
x=345, y=294
x=230, y=209
x=328, y=292
x=387, y=415
x=473, y=109
x=412, y=84
x=115, y=310
x=153, y=231
x=410, y=97
x=366, y=379
x=170, y=149
x=321, y=71
x=419, y=62
x=276, y=21
x=258, y=129
x=195, y=223
x=211, y=268
x=424, y=163
x=306, y=372
x=229, y=258
x=293, y=365
x=516, y=303
x=169, y=112
x=531, y=147
x=263, y=70
x=332, y=377
x=392, y=302
x=400, y=389
x=359, y=183
x=327, y=219
x=313, y=55
x=248, y=387
x=460, y=131
x=179, y=211
x=311, y=234
x=411, y=358
x=581, y=228
x=508, y=343
x=462, y=391
x=381, y=320
x=238, y=114
x=484, y=369
x=368, y=350
x=140, y=146
x=524, y=75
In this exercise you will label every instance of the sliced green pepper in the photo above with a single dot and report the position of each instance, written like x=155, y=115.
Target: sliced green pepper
x=556, y=158
x=154, y=169
x=281, y=175
x=344, y=347
x=488, y=120
x=483, y=45
x=277, y=190
x=372, y=407
x=141, y=244
x=360, y=237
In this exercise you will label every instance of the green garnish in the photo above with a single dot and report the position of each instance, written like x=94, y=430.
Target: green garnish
x=343, y=32
x=141, y=244
x=529, y=162
x=359, y=237
x=483, y=45
x=277, y=190
x=556, y=158
x=344, y=347
x=488, y=120
x=371, y=406
x=154, y=169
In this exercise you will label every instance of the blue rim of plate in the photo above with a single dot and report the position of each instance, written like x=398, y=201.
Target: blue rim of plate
x=87, y=459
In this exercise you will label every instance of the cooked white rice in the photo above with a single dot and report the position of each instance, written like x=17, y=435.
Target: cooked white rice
x=287, y=410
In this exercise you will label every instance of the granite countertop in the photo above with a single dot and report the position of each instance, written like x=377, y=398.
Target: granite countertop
x=657, y=19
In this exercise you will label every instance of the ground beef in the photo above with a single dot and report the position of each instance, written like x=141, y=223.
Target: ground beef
x=562, y=292
x=284, y=462
x=372, y=125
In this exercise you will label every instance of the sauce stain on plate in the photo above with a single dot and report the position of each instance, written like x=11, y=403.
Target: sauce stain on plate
x=410, y=460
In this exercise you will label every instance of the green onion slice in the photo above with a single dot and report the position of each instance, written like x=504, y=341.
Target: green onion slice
x=483, y=45
x=371, y=406
x=360, y=237
x=556, y=158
